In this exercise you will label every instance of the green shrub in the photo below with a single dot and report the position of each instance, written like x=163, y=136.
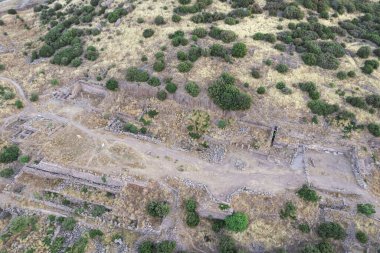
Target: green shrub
x=91, y=53
x=227, y=245
x=361, y=237
x=136, y=75
x=12, y=12
x=218, y=51
x=341, y=75
x=374, y=129
x=22, y=223
x=159, y=65
x=98, y=210
x=239, y=50
x=2, y=67
x=159, y=20
x=363, y=52
x=227, y=96
x=193, y=89
x=357, y=102
x=255, y=73
x=282, y=68
x=19, y=104
x=351, y=74
x=6, y=173
x=332, y=230
x=76, y=62
x=166, y=247
x=69, y=224
x=327, y=61
x=237, y=222
x=129, y=127
x=373, y=100
x=261, y=90
x=280, y=85
x=147, y=33
x=293, y=12
x=161, y=95
x=199, y=32
x=112, y=84
x=280, y=47
x=46, y=51
x=176, y=18
x=194, y=53
x=322, y=108
x=171, y=87
x=309, y=59
x=304, y=228
x=222, y=124
x=190, y=205
x=217, y=225
x=9, y=154
x=24, y=159
x=154, y=81
x=146, y=247
x=95, y=233
x=308, y=194
x=289, y=211
x=192, y=219
x=230, y=21
x=269, y=37
x=182, y=56
x=185, y=66
x=158, y=209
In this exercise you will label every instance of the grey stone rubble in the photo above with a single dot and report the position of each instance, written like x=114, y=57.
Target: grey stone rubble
x=356, y=168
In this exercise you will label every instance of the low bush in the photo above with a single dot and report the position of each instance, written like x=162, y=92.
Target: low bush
x=374, y=129
x=293, y=12
x=192, y=219
x=322, y=108
x=255, y=73
x=193, y=89
x=373, y=100
x=159, y=20
x=231, y=21
x=91, y=53
x=239, y=50
x=158, y=209
x=357, y=102
x=363, y=52
x=69, y=223
x=12, y=11
x=22, y=223
x=154, y=81
x=269, y=37
x=308, y=194
x=304, y=228
x=171, y=87
x=227, y=96
x=131, y=128
x=282, y=68
x=147, y=247
x=176, y=18
x=218, y=51
x=289, y=211
x=185, y=66
x=93, y=233
x=227, y=245
x=261, y=90
x=112, y=84
x=159, y=65
x=9, y=154
x=147, y=33
x=280, y=47
x=361, y=237
x=341, y=75
x=331, y=230
x=199, y=32
x=136, y=75
x=24, y=159
x=7, y=172
x=224, y=35
x=161, y=95
x=237, y=222
x=19, y=104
